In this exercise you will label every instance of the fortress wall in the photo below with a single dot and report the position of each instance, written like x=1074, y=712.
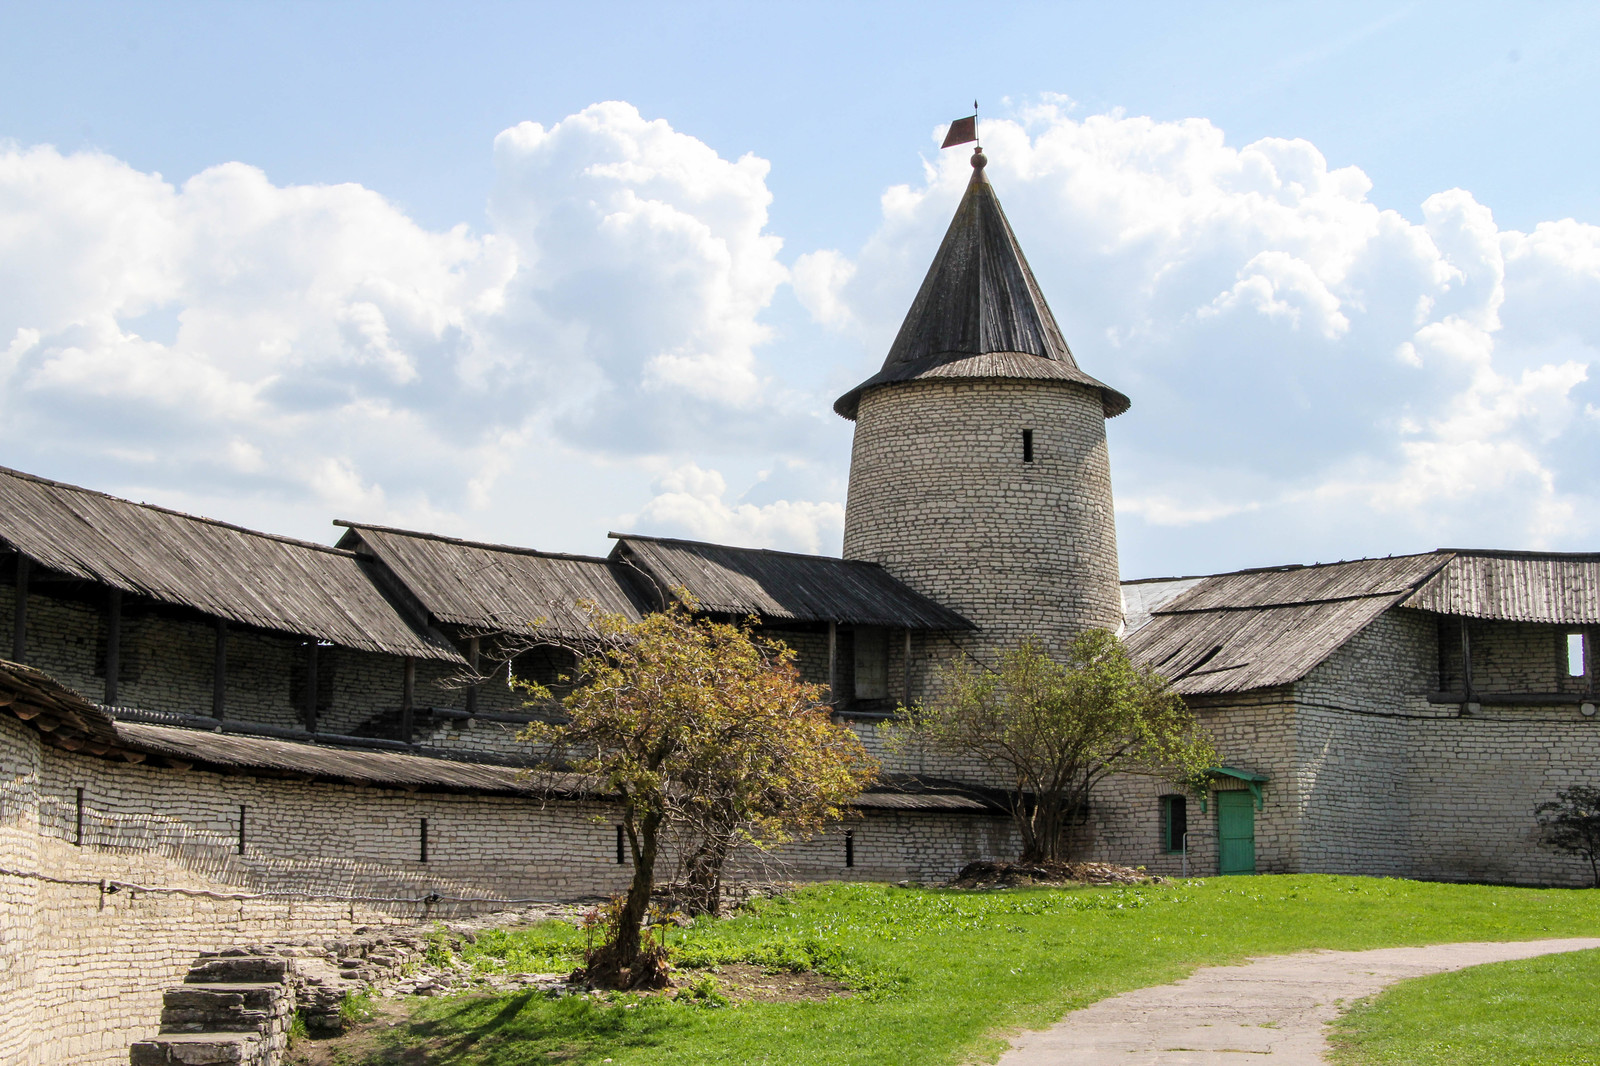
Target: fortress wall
x=82, y=970
x=1353, y=733
x=1474, y=785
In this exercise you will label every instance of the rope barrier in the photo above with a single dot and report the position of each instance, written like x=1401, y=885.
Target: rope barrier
x=113, y=885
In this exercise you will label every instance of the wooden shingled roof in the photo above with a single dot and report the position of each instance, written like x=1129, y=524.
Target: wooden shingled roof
x=783, y=586
x=66, y=720
x=222, y=570
x=980, y=313
x=1563, y=589
x=495, y=587
x=1264, y=628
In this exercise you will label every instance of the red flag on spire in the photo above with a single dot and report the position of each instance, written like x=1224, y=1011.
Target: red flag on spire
x=962, y=130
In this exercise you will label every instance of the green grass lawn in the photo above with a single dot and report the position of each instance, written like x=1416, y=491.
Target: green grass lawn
x=1537, y=1012
x=942, y=973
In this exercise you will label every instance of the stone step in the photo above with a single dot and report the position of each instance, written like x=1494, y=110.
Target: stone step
x=196, y=1049
x=238, y=969
x=259, y=995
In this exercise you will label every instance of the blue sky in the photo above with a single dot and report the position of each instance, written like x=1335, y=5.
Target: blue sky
x=362, y=285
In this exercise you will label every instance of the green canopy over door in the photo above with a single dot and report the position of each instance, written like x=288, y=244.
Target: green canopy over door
x=1236, y=829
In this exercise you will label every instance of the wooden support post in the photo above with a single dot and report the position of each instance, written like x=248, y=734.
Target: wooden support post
x=1466, y=663
x=311, y=687
x=472, y=665
x=408, y=699
x=905, y=687
x=113, y=644
x=219, y=672
x=19, y=615
x=1591, y=659
x=833, y=663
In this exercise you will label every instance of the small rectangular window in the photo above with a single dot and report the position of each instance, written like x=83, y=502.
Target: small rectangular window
x=849, y=847
x=1174, y=822
x=1027, y=445
x=1577, y=660
x=622, y=856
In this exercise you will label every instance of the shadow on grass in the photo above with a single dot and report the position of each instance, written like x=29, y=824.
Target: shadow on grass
x=521, y=1028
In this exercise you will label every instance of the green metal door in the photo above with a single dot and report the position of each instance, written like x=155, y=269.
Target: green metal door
x=1236, y=829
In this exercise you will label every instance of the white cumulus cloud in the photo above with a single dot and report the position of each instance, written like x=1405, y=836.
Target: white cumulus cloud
x=1312, y=376
x=691, y=502
x=257, y=348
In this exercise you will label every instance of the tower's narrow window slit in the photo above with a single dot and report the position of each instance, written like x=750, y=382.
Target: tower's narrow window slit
x=1027, y=445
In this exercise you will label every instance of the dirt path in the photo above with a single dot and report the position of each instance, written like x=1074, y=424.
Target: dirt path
x=1269, y=1010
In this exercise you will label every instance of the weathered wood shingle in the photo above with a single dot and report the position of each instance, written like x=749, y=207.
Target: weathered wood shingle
x=222, y=570
x=496, y=587
x=980, y=313
x=1562, y=589
x=783, y=586
x=1264, y=628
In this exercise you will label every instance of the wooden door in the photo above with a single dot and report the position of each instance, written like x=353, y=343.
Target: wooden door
x=1236, y=831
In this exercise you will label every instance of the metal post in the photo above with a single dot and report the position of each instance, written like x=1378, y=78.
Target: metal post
x=113, y=644
x=219, y=672
x=19, y=616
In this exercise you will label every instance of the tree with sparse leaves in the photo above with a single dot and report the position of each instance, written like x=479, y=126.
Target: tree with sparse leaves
x=704, y=732
x=1052, y=730
x=1571, y=823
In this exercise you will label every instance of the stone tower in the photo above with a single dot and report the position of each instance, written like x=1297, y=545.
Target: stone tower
x=979, y=473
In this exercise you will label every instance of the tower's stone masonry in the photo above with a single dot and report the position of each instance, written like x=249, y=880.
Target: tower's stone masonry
x=941, y=496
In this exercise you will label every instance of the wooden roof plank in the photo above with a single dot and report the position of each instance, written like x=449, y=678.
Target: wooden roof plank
x=225, y=571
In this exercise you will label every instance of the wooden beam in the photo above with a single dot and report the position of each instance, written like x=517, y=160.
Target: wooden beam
x=833, y=663
x=113, y=644
x=1591, y=658
x=408, y=699
x=19, y=614
x=472, y=664
x=1466, y=662
x=219, y=671
x=905, y=687
x=311, y=687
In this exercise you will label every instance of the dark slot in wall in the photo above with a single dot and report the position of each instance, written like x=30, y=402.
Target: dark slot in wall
x=78, y=835
x=621, y=853
x=424, y=841
x=849, y=847
x=241, y=829
x=1027, y=445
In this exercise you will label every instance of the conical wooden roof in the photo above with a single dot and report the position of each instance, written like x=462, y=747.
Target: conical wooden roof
x=979, y=313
